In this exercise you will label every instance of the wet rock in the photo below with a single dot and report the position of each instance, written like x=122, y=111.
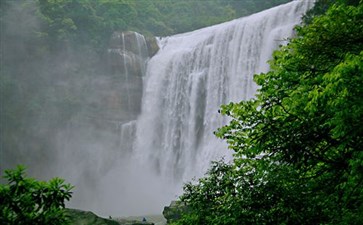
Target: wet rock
x=127, y=57
x=174, y=211
x=152, y=46
x=79, y=217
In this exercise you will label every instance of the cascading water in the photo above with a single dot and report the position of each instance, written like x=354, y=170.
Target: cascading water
x=126, y=71
x=192, y=75
x=185, y=84
x=143, y=53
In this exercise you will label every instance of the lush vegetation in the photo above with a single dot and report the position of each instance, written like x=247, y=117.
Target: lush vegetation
x=298, y=145
x=27, y=201
x=92, y=22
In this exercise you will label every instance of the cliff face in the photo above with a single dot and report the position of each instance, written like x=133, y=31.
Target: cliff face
x=116, y=94
x=102, y=134
x=127, y=56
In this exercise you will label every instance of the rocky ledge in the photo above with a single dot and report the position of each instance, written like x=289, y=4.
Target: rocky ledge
x=79, y=217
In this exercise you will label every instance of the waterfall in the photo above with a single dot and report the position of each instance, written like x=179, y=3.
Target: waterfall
x=142, y=51
x=170, y=139
x=126, y=72
x=192, y=75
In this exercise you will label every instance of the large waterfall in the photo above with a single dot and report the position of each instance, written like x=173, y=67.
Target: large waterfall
x=186, y=82
x=193, y=75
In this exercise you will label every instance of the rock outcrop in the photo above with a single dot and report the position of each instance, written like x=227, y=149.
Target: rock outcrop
x=79, y=217
x=133, y=222
x=127, y=57
x=152, y=46
x=174, y=211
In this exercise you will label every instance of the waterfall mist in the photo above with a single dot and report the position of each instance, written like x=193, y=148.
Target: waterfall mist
x=127, y=157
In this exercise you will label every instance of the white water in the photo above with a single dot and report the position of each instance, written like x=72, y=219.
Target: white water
x=185, y=84
x=192, y=76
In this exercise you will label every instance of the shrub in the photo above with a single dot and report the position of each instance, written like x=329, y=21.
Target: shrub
x=28, y=201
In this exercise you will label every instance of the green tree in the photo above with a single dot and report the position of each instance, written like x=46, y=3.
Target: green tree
x=27, y=201
x=298, y=156
x=321, y=6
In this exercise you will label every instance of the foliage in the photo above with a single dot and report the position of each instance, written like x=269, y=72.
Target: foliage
x=321, y=6
x=27, y=201
x=94, y=21
x=298, y=156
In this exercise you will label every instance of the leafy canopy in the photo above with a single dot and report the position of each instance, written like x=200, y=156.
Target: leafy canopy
x=298, y=156
x=27, y=201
